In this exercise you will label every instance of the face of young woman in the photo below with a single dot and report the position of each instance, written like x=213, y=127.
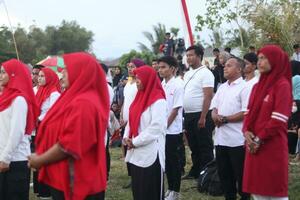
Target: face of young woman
x=4, y=78
x=65, y=79
x=263, y=64
x=41, y=79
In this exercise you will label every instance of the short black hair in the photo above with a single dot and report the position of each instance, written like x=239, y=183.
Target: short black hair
x=251, y=47
x=38, y=67
x=199, y=51
x=104, y=67
x=296, y=46
x=251, y=57
x=170, y=60
x=168, y=33
x=154, y=60
x=241, y=63
x=228, y=49
x=216, y=50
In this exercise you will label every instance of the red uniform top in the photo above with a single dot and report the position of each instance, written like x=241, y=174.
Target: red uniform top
x=78, y=122
x=266, y=172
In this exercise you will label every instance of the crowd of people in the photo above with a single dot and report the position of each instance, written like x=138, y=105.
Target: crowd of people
x=241, y=112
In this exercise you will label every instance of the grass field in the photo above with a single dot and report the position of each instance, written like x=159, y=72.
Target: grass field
x=118, y=178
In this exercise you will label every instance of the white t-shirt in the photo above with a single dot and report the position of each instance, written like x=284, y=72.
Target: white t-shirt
x=151, y=140
x=194, y=82
x=174, y=96
x=229, y=100
x=249, y=86
x=130, y=91
x=14, y=144
x=48, y=103
x=296, y=56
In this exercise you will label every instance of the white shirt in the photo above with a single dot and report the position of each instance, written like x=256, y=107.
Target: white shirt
x=249, y=86
x=229, y=100
x=48, y=103
x=174, y=96
x=150, y=141
x=194, y=82
x=14, y=144
x=130, y=91
x=296, y=56
x=110, y=93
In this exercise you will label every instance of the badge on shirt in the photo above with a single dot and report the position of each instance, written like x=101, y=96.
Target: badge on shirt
x=266, y=99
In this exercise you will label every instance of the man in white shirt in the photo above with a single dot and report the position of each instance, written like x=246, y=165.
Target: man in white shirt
x=251, y=79
x=174, y=95
x=229, y=105
x=296, y=55
x=198, y=92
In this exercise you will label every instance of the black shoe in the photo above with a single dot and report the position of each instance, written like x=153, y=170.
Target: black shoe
x=127, y=186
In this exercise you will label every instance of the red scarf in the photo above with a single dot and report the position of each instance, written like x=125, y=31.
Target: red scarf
x=78, y=130
x=151, y=92
x=280, y=67
x=19, y=84
x=52, y=85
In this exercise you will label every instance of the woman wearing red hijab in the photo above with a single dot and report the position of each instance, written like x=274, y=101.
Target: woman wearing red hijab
x=145, y=136
x=70, y=141
x=18, y=113
x=47, y=95
x=265, y=128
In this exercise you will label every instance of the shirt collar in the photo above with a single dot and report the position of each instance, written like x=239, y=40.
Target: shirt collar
x=237, y=81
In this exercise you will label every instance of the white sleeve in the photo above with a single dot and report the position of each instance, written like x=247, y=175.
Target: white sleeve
x=178, y=97
x=53, y=98
x=157, y=126
x=17, y=129
x=215, y=100
x=208, y=79
x=245, y=95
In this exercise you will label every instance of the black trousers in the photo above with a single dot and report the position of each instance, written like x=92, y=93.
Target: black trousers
x=182, y=157
x=230, y=163
x=200, y=141
x=173, y=165
x=14, y=184
x=59, y=195
x=147, y=183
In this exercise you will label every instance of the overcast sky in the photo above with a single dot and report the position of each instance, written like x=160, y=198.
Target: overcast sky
x=117, y=24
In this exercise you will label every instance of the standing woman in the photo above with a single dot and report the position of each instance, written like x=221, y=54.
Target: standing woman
x=70, y=143
x=145, y=136
x=265, y=127
x=18, y=113
x=47, y=94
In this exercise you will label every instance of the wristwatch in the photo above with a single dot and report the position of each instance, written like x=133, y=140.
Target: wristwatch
x=257, y=140
x=224, y=120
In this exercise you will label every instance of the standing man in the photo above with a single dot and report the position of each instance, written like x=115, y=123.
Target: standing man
x=198, y=92
x=168, y=46
x=174, y=95
x=296, y=55
x=229, y=105
x=35, y=75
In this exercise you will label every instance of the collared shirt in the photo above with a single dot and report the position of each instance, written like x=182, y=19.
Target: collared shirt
x=230, y=99
x=14, y=144
x=150, y=141
x=174, y=96
x=296, y=57
x=48, y=103
x=130, y=91
x=194, y=82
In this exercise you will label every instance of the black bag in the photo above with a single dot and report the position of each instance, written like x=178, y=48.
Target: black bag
x=209, y=181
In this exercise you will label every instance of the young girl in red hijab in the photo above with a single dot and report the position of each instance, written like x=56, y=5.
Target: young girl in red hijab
x=265, y=127
x=145, y=136
x=70, y=141
x=18, y=114
x=47, y=94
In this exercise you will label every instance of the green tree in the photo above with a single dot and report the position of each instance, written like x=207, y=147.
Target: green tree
x=146, y=56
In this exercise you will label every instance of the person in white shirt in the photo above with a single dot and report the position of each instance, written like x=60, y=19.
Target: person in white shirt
x=174, y=95
x=296, y=54
x=251, y=79
x=18, y=115
x=47, y=94
x=145, y=136
x=198, y=92
x=130, y=91
x=229, y=105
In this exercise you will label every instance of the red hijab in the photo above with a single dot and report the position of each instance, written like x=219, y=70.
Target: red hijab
x=151, y=92
x=52, y=85
x=280, y=68
x=78, y=122
x=19, y=84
